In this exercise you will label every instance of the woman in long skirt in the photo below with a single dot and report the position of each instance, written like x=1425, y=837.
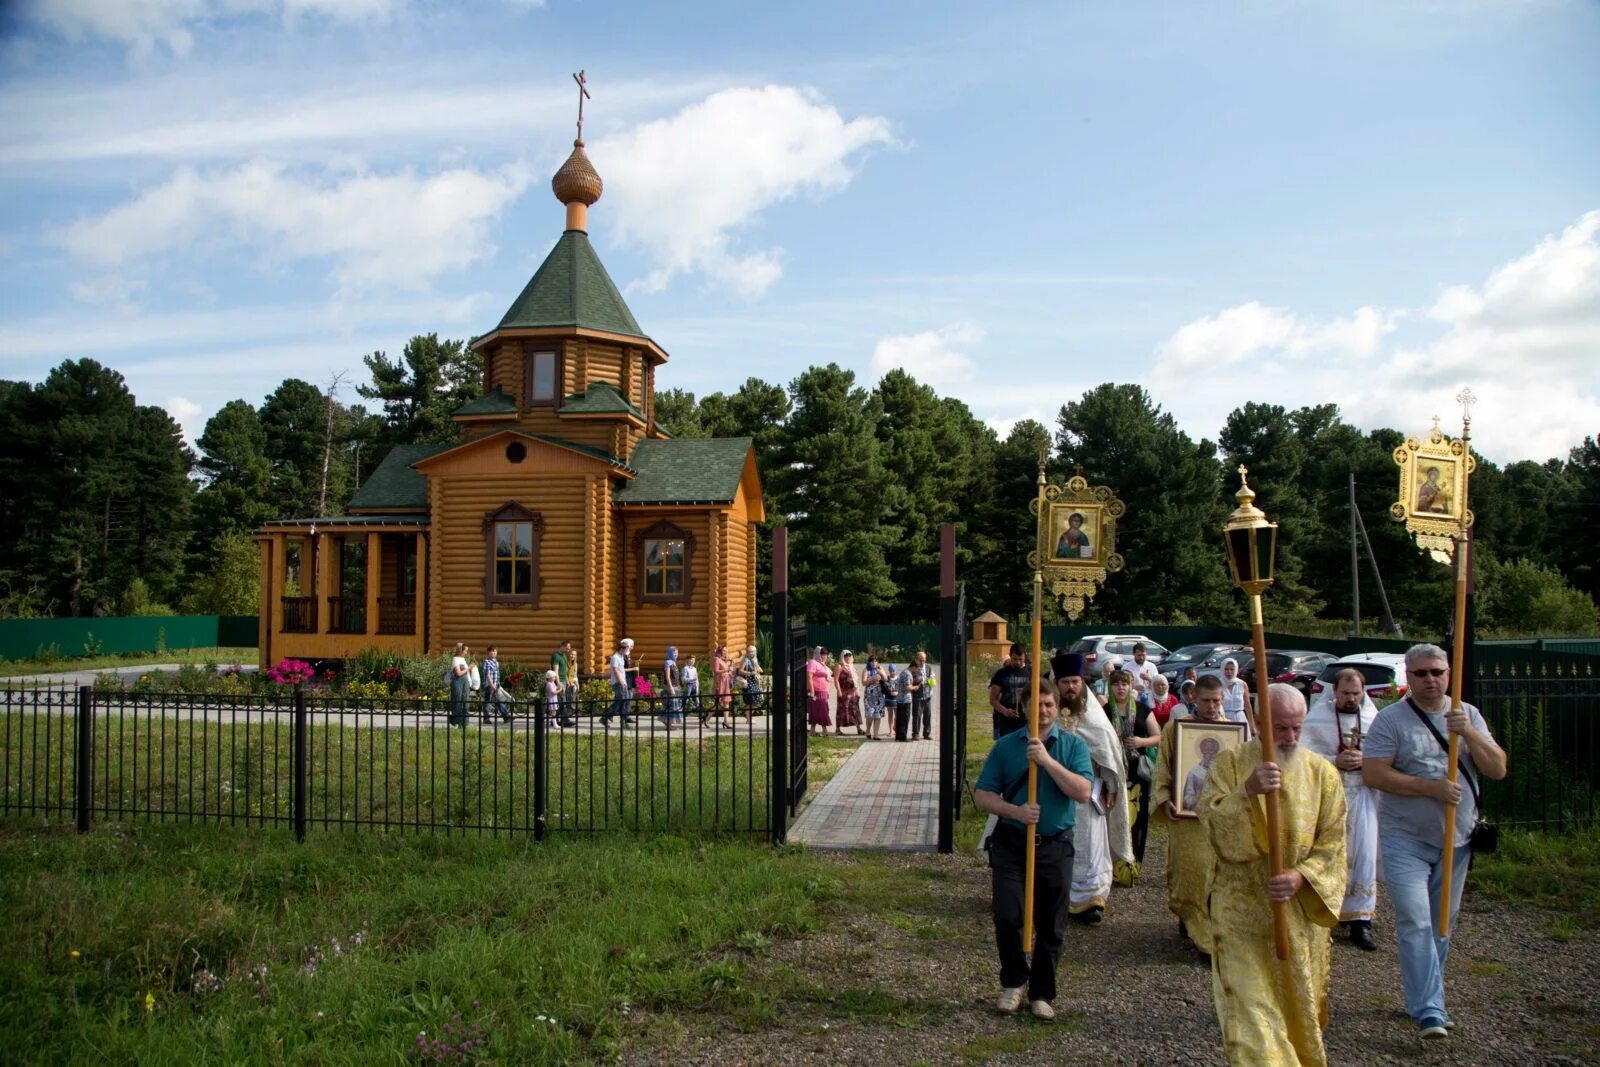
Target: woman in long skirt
x=721, y=685
x=459, y=686
x=819, y=679
x=849, y=694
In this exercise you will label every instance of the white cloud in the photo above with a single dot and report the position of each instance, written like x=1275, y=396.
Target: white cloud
x=186, y=413
x=681, y=187
x=933, y=357
x=147, y=25
x=111, y=291
x=1527, y=340
x=400, y=229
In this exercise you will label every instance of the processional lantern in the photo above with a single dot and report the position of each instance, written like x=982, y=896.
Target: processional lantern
x=1251, y=541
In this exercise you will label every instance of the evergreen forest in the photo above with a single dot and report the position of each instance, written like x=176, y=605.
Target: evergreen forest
x=109, y=510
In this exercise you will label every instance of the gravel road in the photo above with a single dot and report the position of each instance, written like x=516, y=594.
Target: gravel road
x=910, y=978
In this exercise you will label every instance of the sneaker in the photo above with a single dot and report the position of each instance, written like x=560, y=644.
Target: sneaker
x=1042, y=1010
x=1010, y=1000
x=1449, y=1023
x=1433, y=1028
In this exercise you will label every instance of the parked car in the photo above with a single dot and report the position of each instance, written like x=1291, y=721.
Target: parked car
x=1384, y=671
x=1096, y=648
x=1298, y=668
x=1209, y=654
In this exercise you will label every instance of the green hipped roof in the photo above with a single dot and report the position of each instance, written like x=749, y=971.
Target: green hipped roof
x=394, y=484
x=689, y=471
x=601, y=398
x=572, y=288
x=494, y=402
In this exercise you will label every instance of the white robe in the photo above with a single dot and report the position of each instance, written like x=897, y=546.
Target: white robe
x=1101, y=832
x=1320, y=734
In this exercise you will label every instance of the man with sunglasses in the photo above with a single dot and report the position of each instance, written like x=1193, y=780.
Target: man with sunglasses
x=1406, y=759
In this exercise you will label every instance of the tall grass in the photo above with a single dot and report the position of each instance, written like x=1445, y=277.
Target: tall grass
x=177, y=944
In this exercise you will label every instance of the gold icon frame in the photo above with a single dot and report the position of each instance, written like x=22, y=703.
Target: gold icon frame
x=1433, y=491
x=1075, y=573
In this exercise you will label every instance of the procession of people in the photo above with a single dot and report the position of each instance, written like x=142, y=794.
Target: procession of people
x=1349, y=784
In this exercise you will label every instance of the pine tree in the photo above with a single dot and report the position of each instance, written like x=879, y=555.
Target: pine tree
x=419, y=391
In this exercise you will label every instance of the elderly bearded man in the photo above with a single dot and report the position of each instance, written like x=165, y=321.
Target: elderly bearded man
x=1189, y=858
x=1002, y=790
x=1335, y=729
x=1272, y=1011
x=1102, y=837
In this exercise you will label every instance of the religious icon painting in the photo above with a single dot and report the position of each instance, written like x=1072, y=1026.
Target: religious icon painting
x=1075, y=531
x=1198, y=744
x=1077, y=544
x=1433, y=484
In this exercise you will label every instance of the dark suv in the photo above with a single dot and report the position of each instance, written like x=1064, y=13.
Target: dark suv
x=1299, y=669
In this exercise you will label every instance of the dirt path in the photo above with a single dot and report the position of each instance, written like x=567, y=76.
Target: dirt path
x=904, y=972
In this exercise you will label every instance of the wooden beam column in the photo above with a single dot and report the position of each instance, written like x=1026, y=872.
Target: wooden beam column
x=327, y=580
x=264, y=609
x=374, y=580
x=422, y=591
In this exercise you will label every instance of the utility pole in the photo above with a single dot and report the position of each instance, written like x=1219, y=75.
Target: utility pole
x=1355, y=565
x=1386, y=623
x=327, y=442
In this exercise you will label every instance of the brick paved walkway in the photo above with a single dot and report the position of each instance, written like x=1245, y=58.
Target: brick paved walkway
x=885, y=796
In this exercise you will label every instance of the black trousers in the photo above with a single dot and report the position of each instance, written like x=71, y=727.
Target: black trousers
x=1141, y=821
x=902, y=721
x=1052, y=879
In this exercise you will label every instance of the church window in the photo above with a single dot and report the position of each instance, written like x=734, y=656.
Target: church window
x=511, y=573
x=541, y=379
x=665, y=558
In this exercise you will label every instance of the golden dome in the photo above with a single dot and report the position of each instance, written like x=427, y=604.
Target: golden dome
x=577, y=180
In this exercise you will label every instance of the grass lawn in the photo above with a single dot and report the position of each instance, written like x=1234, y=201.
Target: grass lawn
x=169, y=944
x=1556, y=872
x=14, y=668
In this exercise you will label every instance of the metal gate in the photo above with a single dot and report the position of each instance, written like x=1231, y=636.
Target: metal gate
x=952, y=714
x=799, y=728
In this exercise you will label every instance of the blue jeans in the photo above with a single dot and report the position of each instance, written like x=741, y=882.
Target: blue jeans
x=1414, y=870
x=620, y=696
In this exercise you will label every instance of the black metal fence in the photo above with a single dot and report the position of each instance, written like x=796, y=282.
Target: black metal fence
x=1543, y=712
x=313, y=762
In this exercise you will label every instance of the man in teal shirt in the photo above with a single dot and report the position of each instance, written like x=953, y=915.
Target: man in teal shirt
x=1065, y=772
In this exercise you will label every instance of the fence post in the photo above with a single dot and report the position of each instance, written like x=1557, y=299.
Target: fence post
x=85, y=756
x=300, y=776
x=948, y=675
x=541, y=748
x=778, y=721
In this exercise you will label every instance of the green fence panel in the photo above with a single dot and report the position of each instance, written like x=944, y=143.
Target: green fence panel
x=108, y=635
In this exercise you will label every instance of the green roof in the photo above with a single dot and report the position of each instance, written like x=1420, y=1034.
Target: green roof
x=601, y=398
x=494, y=402
x=394, y=484
x=571, y=288
x=688, y=471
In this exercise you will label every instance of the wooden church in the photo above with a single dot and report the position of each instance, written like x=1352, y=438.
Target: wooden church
x=562, y=511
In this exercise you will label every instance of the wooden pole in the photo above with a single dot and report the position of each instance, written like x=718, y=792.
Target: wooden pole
x=1269, y=754
x=1033, y=769
x=1458, y=647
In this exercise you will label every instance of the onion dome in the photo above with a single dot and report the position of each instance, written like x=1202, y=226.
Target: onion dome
x=577, y=185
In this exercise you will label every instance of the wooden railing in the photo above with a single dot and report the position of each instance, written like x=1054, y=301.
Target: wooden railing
x=299, y=615
x=397, y=615
x=347, y=615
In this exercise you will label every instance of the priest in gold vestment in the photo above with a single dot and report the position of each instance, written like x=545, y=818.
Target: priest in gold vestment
x=1189, y=858
x=1272, y=1011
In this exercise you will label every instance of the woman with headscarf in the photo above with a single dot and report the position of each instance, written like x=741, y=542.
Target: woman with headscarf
x=750, y=680
x=672, y=682
x=849, y=694
x=721, y=683
x=1234, y=692
x=1165, y=699
x=872, y=696
x=818, y=681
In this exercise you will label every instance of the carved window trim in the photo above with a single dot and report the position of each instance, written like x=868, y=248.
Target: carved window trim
x=512, y=512
x=528, y=361
x=663, y=531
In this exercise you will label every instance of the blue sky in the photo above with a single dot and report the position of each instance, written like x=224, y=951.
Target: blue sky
x=1370, y=204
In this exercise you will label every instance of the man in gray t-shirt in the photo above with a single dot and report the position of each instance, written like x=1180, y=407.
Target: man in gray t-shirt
x=1408, y=766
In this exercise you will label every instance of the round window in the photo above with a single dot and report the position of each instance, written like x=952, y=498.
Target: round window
x=516, y=452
